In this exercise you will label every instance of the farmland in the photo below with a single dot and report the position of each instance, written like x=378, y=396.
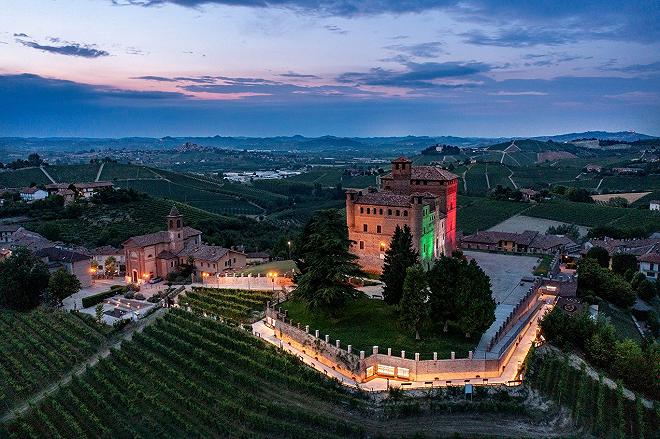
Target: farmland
x=237, y=305
x=42, y=347
x=475, y=213
x=22, y=177
x=73, y=173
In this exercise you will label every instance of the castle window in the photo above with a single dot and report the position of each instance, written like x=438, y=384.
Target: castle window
x=368, y=211
x=398, y=212
x=361, y=209
x=380, y=211
x=425, y=182
x=361, y=245
x=178, y=223
x=396, y=166
x=171, y=224
x=378, y=229
x=389, y=211
x=383, y=247
x=178, y=235
x=365, y=228
x=405, y=213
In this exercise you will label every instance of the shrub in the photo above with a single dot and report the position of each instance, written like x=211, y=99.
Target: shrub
x=98, y=298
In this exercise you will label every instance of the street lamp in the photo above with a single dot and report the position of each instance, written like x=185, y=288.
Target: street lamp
x=289, y=244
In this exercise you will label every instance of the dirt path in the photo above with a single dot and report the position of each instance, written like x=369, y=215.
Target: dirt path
x=515, y=186
x=98, y=174
x=599, y=183
x=113, y=342
x=47, y=174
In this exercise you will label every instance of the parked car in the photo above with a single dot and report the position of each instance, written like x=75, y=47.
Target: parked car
x=155, y=280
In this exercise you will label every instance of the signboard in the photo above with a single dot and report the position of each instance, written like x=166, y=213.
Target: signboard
x=385, y=370
x=402, y=372
x=370, y=371
x=468, y=389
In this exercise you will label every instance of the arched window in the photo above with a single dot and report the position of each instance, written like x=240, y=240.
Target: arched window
x=178, y=223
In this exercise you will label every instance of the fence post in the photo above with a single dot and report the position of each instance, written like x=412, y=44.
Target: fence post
x=435, y=356
x=349, y=348
x=337, y=344
x=416, y=356
x=327, y=338
x=361, y=355
x=389, y=352
x=453, y=355
x=316, y=333
x=307, y=329
x=403, y=354
x=375, y=350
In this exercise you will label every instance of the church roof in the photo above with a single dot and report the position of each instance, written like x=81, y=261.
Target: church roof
x=158, y=237
x=174, y=212
x=204, y=252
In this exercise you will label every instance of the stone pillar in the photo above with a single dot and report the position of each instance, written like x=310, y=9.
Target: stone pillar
x=470, y=355
x=453, y=355
x=435, y=356
x=316, y=333
x=349, y=348
x=361, y=355
x=337, y=344
x=403, y=354
x=375, y=349
x=307, y=329
x=389, y=352
x=327, y=338
x=416, y=356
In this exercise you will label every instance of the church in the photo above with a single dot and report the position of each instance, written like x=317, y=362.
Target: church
x=421, y=197
x=157, y=254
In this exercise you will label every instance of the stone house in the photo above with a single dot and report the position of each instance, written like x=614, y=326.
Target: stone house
x=73, y=262
x=511, y=242
x=649, y=264
x=30, y=194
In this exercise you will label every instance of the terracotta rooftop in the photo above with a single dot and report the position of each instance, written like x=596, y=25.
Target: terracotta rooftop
x=650, y=257
x=433, y=173
x=158, y=237
x=55, y=254
x=166, y=254
x=30, y=190
x=528, y=238
x=106, y=250
x=93, y=184
x=204, y=252
x=383, y=198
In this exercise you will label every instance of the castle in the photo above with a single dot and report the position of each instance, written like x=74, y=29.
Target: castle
x=421, y=197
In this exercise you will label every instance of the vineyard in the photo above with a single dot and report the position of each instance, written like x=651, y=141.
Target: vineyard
x=603, y=411
x=73, y=173
x=42, y=347
x=22, y=177
x=239, y=305
x=192, y=377
x=476, y=213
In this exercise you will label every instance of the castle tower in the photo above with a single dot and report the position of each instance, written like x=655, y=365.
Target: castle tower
x=175, y=229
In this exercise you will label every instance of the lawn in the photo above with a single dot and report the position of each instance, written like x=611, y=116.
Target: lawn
x=279, y=267
x=621, y=320
x=365, y=323
x=544, y=266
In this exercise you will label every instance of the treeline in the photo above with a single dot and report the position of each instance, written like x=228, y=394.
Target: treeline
x=444, y=149
x=33, y=160
x=638, y=365
x=594, y=406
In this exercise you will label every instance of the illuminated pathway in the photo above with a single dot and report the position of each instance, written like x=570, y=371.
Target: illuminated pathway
x=378, y=384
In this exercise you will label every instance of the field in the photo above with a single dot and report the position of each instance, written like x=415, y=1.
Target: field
x=329, y=177
x=38, y=348
x=238, y=305
x=22, y=177
x=592, y=215
x=192, y=377
x=365, y=323
x=280, y=267
x=519, y=223
x=476, y=213
x=117, y=171
x=630, y=197
x=73, y=173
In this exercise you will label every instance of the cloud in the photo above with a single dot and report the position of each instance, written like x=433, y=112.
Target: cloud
x=416, y=75
x=298, y=75
x=521, y=37
x=518, y=93
x=551, y=59
x=21, y=35
x=335, y=29
x=68, y=49
x=155, y=78
x=635, y=68
x=430, y=49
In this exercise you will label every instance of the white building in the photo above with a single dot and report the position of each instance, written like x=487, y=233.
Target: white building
x=649, y=264
x=33, y=193
x=654, y=205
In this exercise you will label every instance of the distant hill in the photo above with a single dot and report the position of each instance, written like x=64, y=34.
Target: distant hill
x=624, y=136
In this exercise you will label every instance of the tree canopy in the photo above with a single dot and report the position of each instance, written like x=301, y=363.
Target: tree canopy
x=414, y=309
x=23, y=278
x=62, y=284
x=599, y=254
x=593, y=279
x=325, y=263
x=398, y=257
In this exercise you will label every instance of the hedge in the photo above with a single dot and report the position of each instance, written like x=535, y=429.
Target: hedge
x=100, y=297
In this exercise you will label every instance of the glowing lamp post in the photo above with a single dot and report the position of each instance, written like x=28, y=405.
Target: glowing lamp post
x=204, y=276
x=92, y=271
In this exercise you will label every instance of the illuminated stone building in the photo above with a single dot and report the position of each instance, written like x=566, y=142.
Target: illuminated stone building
x=421, y=197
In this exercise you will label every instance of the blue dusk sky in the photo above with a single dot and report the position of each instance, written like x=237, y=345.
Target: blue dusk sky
x=113, y=68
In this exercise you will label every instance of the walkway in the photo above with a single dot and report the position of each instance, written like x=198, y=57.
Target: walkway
x=98, y=174
x=379, y=384
x=47, y=174
x=113, y=342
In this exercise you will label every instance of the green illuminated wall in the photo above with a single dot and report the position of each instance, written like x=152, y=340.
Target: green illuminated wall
x=426, y=241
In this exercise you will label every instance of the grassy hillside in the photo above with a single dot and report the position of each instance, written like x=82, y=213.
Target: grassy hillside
x=476, y=213
x=22, y=177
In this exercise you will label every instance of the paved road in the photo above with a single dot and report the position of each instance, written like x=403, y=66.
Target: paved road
x=114, y=342
x=98, y=174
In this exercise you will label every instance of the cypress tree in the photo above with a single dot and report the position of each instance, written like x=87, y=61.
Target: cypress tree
x=399, y=256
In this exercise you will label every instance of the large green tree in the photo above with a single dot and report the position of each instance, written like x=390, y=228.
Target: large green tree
x=600, y=254
x=23, y=278
x=414, y=309
x=399, y=256
x=62, y=284
x=595, y=279
x=461, y=295
x=325, y=263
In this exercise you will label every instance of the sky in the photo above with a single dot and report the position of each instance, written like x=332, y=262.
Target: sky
x=118, y=68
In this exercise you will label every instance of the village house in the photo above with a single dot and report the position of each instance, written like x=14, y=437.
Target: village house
x=73, y=262
x=421, y=197
x=529, y=195
x=636, y=247
x=87, y=190
x=649, y=265
x=593, y=168
x=525, y=242
x=654, y=205
x=30, y=194
x=101, y=254
x=254, y=258
x=6, y=232
x=158, y=254
x=63, y=190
